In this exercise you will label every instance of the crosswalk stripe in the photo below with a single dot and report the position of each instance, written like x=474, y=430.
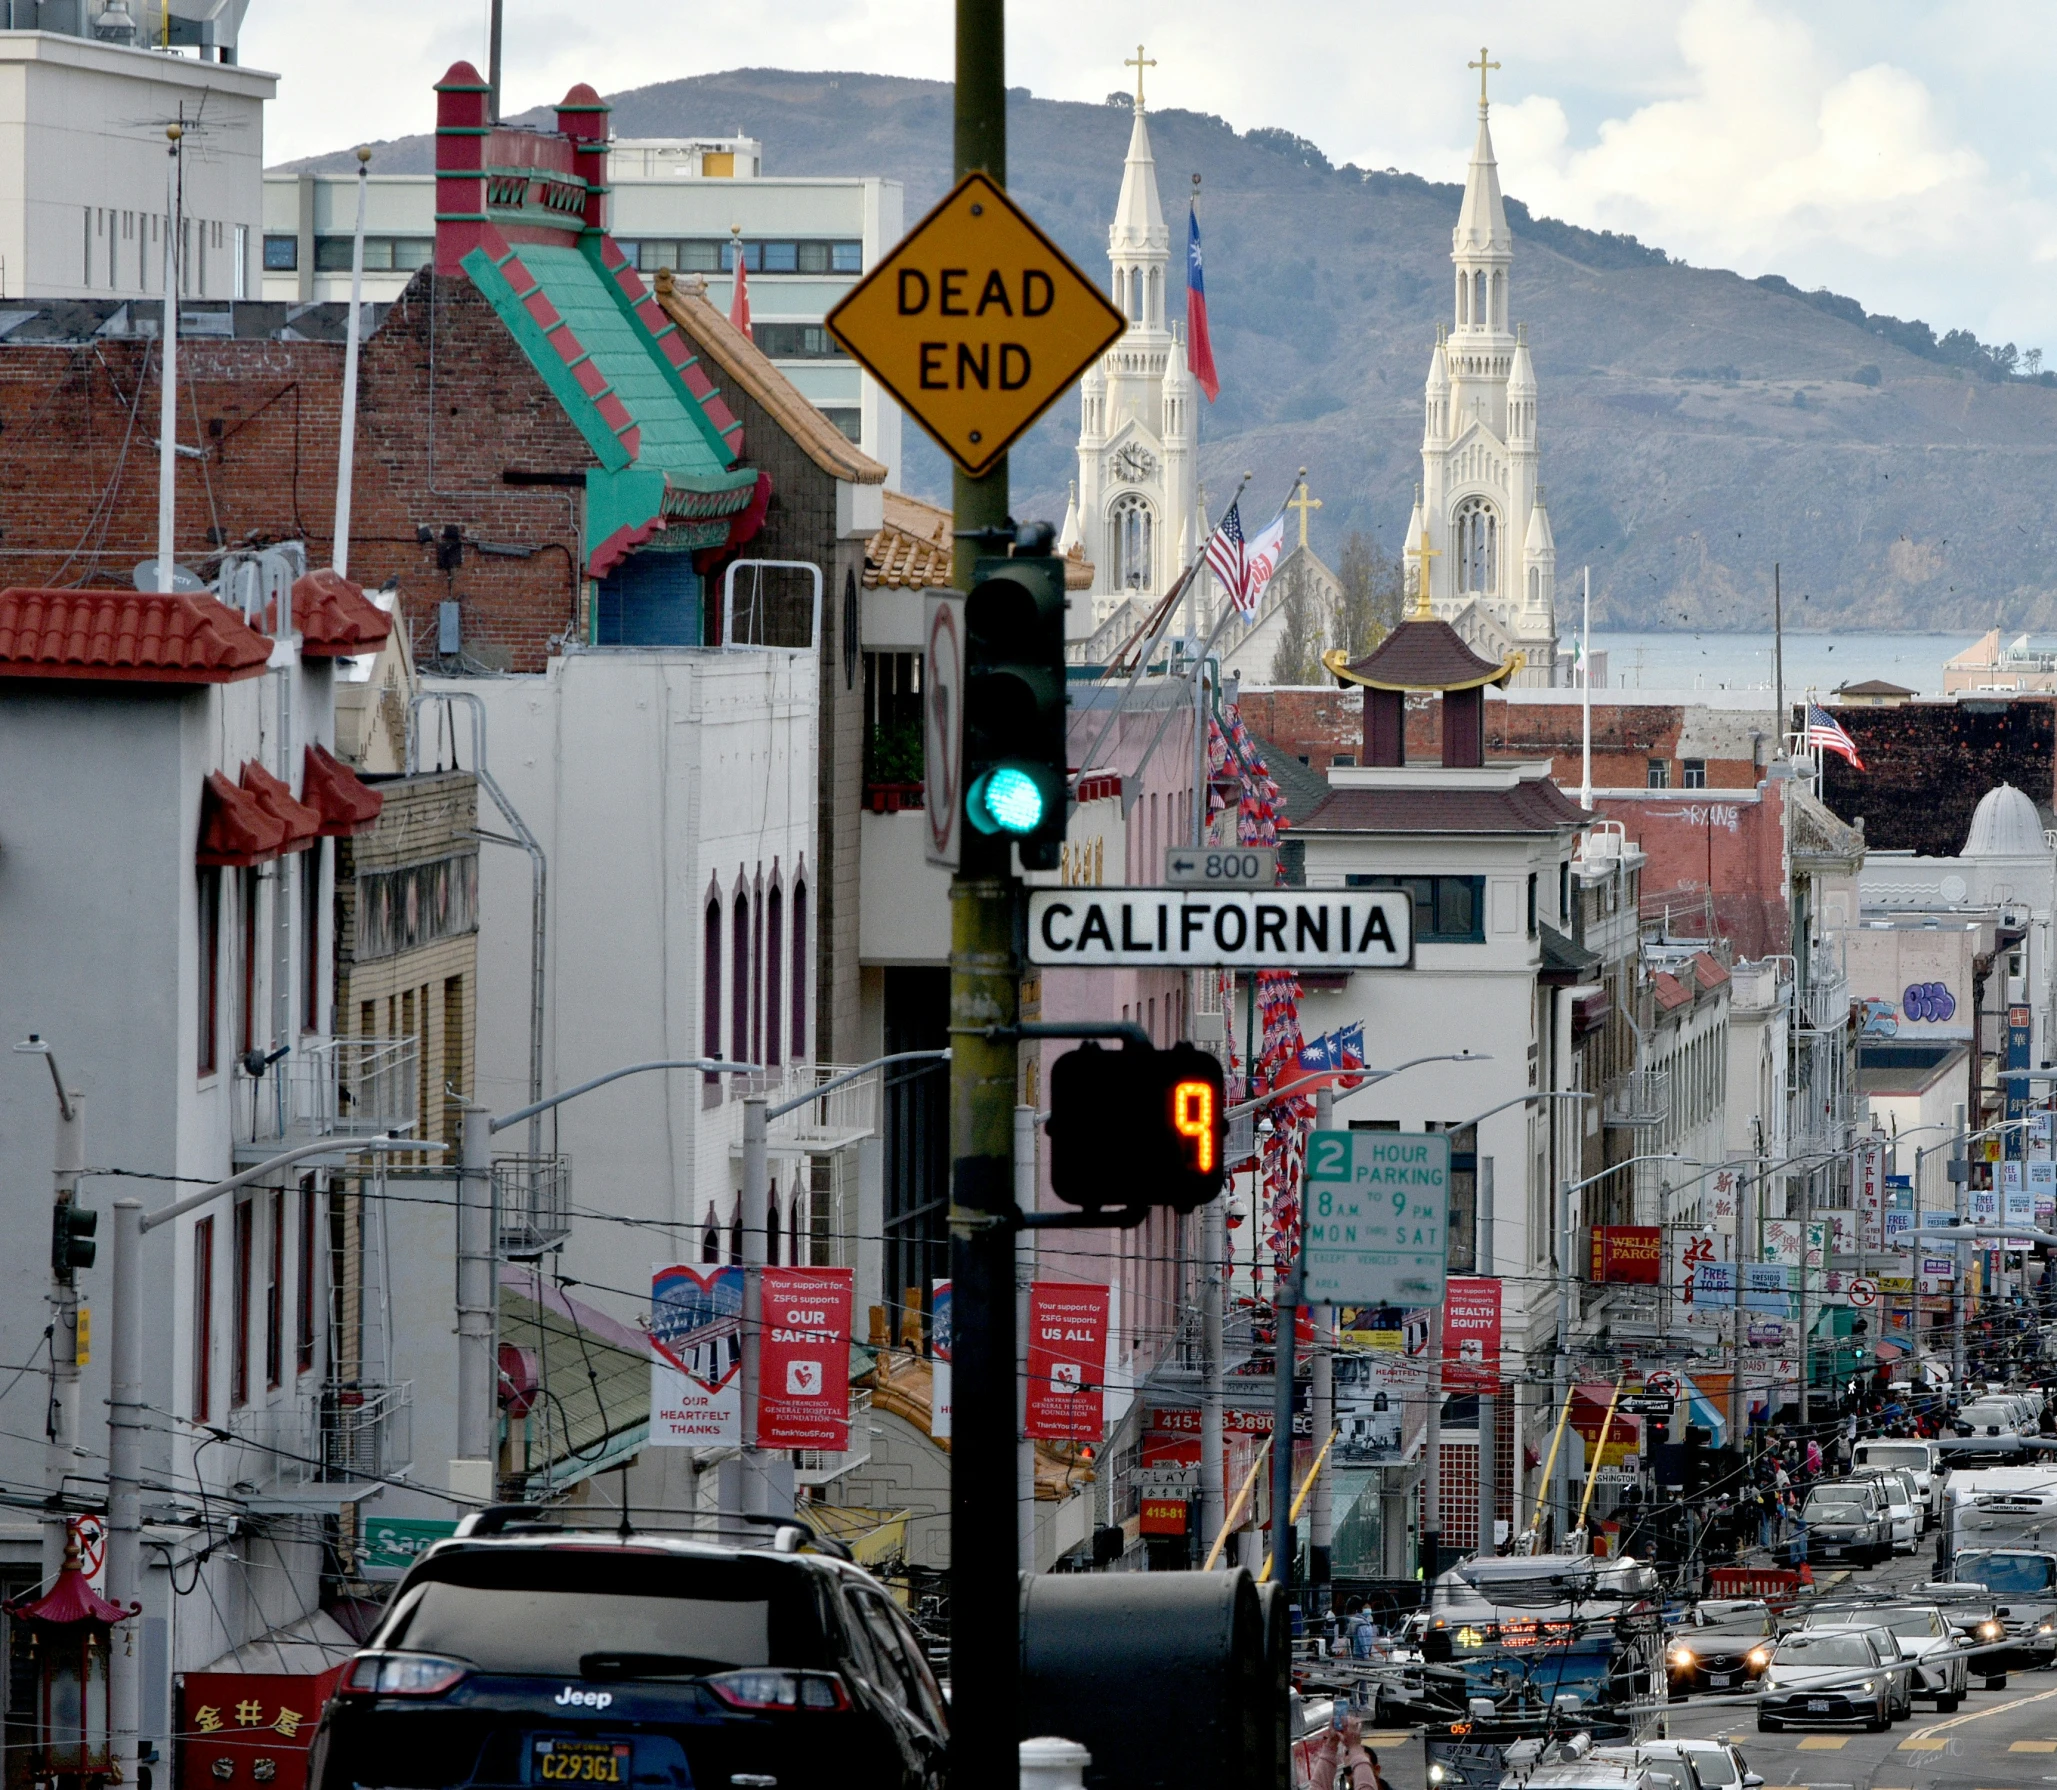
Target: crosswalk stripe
x=1823, y=1743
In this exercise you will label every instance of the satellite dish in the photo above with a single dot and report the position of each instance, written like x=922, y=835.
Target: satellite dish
x=184, y=580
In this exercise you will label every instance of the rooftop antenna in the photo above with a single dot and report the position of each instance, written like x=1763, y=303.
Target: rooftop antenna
x=493, y=60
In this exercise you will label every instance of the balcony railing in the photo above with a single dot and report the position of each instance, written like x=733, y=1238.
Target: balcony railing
x=828, y=1122
x=532, y=1195
x=331, y=1087
x=346, y=1433
x=1639, y=1100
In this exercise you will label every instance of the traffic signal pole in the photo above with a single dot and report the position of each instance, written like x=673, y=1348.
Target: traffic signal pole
x=985, y=1599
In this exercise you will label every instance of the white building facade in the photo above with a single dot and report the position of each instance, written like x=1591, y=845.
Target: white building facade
x=1479, y=507
x=1136, y=513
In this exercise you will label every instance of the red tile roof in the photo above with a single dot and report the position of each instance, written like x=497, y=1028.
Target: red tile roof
x=275, y=797
x=126, y=636
x=333, y=791
x=1708, y=970
x=1533, y=806
x=334, y=618
x=1670, y=991
x=235, y=829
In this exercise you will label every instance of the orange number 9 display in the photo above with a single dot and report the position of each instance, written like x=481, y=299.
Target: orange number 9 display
x=1192, y=1115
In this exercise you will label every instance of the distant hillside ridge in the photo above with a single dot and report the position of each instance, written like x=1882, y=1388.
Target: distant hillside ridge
x=1696, y=426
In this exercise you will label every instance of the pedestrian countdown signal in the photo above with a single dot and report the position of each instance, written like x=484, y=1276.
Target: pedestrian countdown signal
x=1135, y=1127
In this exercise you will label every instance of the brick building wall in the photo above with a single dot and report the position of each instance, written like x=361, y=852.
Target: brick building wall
x=1928, y=763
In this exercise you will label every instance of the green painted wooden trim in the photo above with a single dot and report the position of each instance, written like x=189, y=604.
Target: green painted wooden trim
x=498, y=291
x=464, y=130
x=462, y=217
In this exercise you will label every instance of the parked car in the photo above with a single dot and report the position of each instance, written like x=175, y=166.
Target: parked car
x=1718, y=1764
x=1902, y=1504
x=1719, y=1649
x=515, y=1653
x=1838, y=1676
x=1669, y=1769
x=1868, y=1621
x=1846, y=1522
x=1919, y=1458
x=1995, y=1415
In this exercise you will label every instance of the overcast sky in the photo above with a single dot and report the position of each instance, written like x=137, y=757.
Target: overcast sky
x=1893, y=150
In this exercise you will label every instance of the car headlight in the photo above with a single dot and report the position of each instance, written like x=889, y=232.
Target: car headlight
x=2045, y=1629
x=1681, y=1656
x=1869, y=1686
x=1770, y=1682
x=1760, y=1657
x=1436, y=1774
x=1990, y=1631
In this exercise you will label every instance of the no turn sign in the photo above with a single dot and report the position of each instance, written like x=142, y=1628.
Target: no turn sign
x=1863, y=1291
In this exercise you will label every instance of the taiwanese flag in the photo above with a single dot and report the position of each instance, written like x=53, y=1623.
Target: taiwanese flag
x=1199, y=344
x=739, y=293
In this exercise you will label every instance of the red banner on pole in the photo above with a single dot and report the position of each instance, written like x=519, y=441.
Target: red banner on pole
x=1067, y=1360
x=803, y=1362
x=1471, y=1335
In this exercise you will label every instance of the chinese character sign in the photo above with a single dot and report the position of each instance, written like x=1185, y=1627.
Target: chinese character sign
x=1471, y=1334
x=696, y=1356
x=248, y=1728
x=1628, y=1254
x=1067, y=1360
x=803, y=1371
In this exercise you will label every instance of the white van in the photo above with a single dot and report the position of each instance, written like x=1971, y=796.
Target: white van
x=1919, y=1458
x=2001, y=1507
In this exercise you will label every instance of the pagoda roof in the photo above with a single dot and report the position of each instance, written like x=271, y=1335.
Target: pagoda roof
x=1422, y=655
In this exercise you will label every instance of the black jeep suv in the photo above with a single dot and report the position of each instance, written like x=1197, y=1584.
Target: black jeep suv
x=520, y=1659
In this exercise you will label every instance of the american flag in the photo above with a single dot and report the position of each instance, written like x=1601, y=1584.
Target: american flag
x=1825, y=731
x=1245, y=566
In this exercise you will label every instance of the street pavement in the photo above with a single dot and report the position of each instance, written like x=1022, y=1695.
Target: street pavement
x=1994, y=1740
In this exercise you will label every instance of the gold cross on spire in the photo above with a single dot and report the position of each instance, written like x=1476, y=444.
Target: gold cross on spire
x=1138, y=62
x=1423, y=554
x=1481, y=65
x=1303, y=503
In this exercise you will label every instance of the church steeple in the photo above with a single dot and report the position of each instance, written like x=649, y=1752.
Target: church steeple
x=1481, y=245
x=1138, y=243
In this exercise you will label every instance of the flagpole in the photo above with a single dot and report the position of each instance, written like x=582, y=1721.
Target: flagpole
x=1778, y=664
x=1585, y=788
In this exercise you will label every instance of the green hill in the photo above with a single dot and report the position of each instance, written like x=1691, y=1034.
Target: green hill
x=1696, y=426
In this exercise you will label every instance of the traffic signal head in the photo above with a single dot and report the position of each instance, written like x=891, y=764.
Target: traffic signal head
x=1014, y=703
x=71, y=1238
x=1136, y=1127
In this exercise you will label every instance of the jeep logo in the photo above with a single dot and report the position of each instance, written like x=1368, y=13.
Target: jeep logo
x=572, y=1698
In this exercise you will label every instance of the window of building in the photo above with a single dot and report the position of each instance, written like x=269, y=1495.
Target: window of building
x=1478, y=546
x=1448, y=910
x=1658, y=772
x=769, y=255
x=203, y=1320
x=1532, y=904
x=739, y=978
x=311, y=867
x=710, y=998
x=282, y=254
x=848, y=420
x=773, y=1229
x=275, y=1293
x=240, y=286
x=246, y=1018
x=710, y=1239
x=774, y=975
x=796, y=341
x=1345, y=759
x=652, y=598
x=800, y=1052
x=1129, y=525
x=210, y=970
x=757, y=975
x=244, y=1245
x=382, y=254
x=1693, y=773
x=303, y=1315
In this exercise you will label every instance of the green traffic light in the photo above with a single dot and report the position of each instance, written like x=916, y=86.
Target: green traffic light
x=1011, y=797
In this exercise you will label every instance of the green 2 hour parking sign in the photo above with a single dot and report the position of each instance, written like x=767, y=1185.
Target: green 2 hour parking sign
x=1377, y=1222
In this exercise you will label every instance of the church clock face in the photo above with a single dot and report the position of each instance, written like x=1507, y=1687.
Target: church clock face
x=1134, y=463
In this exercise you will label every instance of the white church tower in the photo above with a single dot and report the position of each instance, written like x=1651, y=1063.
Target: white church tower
x=1136, y=515
x=1492, y=558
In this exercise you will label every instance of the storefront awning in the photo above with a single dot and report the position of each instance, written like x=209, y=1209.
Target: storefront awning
x=592, y=1407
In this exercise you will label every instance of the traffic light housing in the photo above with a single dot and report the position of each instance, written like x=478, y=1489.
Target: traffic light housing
x=1014, y=702
x=1136, y=1127
x=71, y=1238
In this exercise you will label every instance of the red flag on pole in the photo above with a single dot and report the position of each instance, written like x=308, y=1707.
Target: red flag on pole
x=1199, y=343
x=739, y=294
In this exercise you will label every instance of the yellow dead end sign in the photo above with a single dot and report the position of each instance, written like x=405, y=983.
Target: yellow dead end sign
x=976, y=323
